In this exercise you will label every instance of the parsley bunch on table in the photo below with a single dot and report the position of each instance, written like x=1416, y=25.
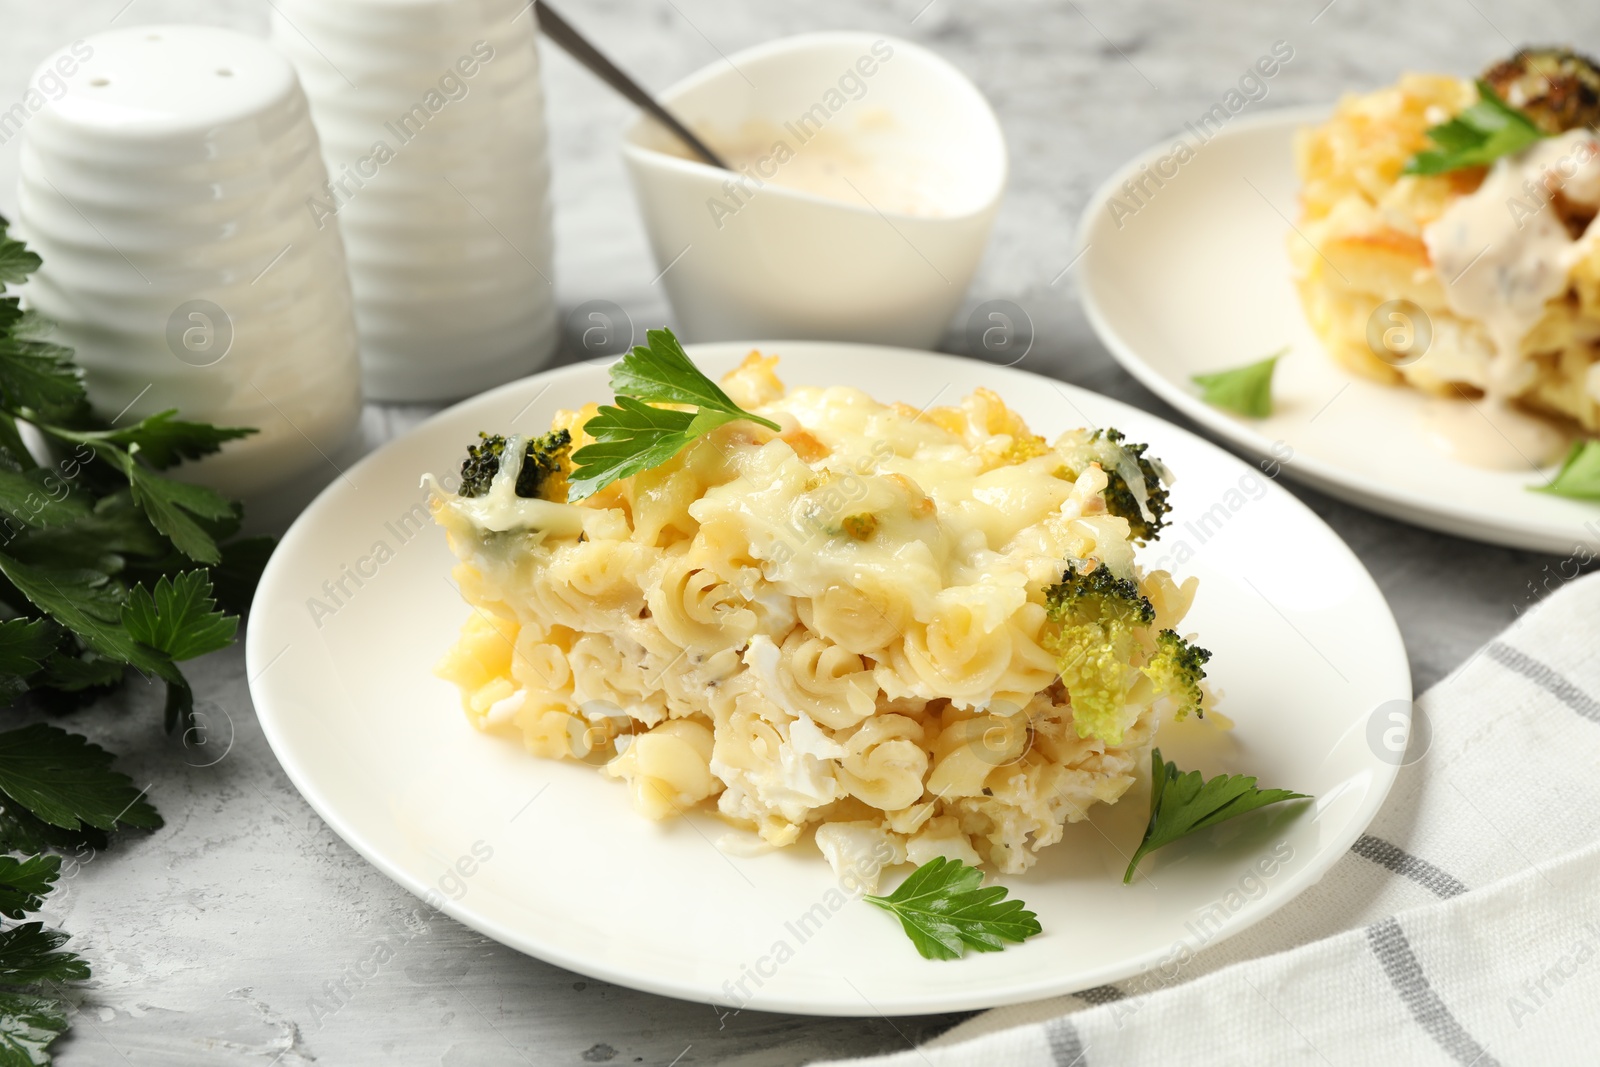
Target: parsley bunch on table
x=106, y=564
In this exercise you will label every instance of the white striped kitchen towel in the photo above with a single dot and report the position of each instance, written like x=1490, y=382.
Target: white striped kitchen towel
x=1462, y=928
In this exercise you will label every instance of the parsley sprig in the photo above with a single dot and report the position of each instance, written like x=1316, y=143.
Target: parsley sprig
x=945, y=910
x=1244, y=390
x=634, y=435
x=106, y=563
x=116, y=563
x=1183, y=803
x=1481, y=134
x=57, y=791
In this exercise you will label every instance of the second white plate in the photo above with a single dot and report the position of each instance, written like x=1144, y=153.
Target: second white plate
x=1196, y=279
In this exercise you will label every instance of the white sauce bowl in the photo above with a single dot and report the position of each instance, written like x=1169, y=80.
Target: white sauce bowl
x=744, y=256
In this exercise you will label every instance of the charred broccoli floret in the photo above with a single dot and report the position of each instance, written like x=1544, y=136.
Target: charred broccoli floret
x=543, y=470
x=1094, y=622
x=1176, y=670
x=1557, y=88
x=1134, y=489
x=481, y=465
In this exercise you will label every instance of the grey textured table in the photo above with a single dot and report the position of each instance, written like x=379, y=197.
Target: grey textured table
x=210, y=938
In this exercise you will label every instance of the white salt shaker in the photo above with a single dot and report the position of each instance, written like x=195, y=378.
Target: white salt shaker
x=432, y=125
x=164, y=191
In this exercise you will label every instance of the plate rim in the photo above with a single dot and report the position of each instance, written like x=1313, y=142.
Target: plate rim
x=960, y=998
x=1393, y=502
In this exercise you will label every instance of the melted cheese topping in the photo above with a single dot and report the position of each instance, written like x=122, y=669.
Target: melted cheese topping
x=836, y=625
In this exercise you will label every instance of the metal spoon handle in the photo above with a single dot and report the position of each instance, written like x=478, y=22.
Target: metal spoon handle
x=575, y=45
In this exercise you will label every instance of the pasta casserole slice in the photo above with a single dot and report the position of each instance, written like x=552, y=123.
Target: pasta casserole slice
x=900, y=634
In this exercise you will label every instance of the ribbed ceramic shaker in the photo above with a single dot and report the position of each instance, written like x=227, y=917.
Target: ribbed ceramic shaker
x=164, y=190
x=432, y=124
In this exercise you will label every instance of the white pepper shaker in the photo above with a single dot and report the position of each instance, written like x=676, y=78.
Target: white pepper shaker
x=433, y=130
x=163, y=189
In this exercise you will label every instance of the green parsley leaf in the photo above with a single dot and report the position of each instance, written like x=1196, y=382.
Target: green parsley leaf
x=67, y=781
x=16, y=261
x=31, y=324
x=163, y=439
x=179, y=618
x=234, y=579
x=24, y=883
x=101, y=540
x=22, y=831
x=39, y=376
x=633, y=436
x=28, y=953
x=91, y=605
x=663, y=374
x=172, y=507
x=88, y=603
x=28, y=1024
x=1477, y=137
x=1244, y=390
x=945, y=912
x=40, y=497
x=1579, y=476
x=24, y=646
x=71, y=673
x=1182, y=803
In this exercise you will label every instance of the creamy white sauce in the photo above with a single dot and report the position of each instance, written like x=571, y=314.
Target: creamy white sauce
x=1492, y=435
x=866, y=161
x=830, y=166
x=501, y=509
x=1503, y=252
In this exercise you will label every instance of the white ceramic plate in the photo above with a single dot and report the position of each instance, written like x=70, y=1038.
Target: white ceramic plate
x=1305, y=650
x=1197, y=279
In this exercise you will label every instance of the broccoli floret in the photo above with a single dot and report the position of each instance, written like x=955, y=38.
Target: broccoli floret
x=543, y=472
x=1557, y=88
x=1144, y=523
x=1129, y=473
x=1094, y=622
x=481, y=465
x=1176, y=670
